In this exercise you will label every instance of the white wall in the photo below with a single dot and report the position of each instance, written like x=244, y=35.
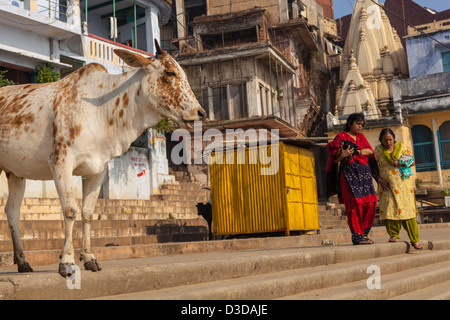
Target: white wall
x=129, y=176
x=41, y=189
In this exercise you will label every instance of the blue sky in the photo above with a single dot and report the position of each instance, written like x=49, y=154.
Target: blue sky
x=345, y=7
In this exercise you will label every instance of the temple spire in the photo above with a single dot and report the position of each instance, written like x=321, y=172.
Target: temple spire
x=375, y=48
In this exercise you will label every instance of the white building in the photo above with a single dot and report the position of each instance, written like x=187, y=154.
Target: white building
x=69, y=34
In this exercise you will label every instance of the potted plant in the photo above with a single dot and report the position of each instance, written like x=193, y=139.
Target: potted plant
x=446, y=197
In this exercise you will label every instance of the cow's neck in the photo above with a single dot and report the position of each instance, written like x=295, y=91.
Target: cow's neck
x=126, y=118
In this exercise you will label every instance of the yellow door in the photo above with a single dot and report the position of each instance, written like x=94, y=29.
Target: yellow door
x=301, y=189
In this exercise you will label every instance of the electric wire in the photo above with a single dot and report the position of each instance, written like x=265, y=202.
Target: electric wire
x=409, y=24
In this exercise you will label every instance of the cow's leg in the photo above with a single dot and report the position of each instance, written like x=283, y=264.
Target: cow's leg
x=92, y=186
x=63, y=183
x=16, y=188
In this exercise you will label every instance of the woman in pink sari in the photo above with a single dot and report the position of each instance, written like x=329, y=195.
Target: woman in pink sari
x=349, y=154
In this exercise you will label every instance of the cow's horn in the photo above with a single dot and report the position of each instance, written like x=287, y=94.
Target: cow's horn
x=158, y=48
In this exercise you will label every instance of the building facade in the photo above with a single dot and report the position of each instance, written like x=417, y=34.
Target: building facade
x=262, y=64
x=250, y=59
x=425, y=98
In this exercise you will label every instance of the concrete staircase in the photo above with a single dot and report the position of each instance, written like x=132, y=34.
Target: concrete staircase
x=332, y=216
x=169, y=216
x=284, y=268
x=339, y=273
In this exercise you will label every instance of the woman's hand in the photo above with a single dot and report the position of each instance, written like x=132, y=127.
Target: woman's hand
x=395, y=163
x=347, y=152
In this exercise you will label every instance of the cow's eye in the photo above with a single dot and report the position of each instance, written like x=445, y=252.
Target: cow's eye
x=170, y=74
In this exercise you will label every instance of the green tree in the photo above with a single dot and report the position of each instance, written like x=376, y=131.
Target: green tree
x=166, y=125
x=3, y=80
x=46, y=73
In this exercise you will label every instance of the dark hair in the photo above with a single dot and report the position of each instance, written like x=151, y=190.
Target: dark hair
x=353, y=118
x=385, y=132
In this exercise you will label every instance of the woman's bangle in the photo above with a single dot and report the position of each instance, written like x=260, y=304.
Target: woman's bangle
x=359, y=152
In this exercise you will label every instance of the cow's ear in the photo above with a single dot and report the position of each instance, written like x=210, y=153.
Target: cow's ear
x=132, y=59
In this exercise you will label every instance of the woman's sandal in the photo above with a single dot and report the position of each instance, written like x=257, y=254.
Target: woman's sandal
x=417, y=246
x=366, y=241
x=392, y=239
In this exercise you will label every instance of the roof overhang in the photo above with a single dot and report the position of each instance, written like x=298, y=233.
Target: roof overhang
x=260, y=50
x=285, y=130
x=299, y=27
x=229, y=22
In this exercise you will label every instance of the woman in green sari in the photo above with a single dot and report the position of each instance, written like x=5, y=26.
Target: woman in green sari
x=397, y=202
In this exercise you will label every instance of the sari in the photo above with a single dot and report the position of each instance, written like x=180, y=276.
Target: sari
x=399, y=203
x=354, y=185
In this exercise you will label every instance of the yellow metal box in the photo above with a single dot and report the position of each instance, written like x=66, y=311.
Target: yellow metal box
x=263, y=189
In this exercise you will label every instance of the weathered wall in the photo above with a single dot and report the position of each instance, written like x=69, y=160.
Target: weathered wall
x=277, y=9
x=255, y=75
x=423, y=94
x=140, y=172
x=426, y=119
x=424, y=54
x=129, y=176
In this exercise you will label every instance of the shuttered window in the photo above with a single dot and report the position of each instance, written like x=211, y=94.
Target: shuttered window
x=446, y=61
x=238, y=101
x=220, y=103
x=444, y=144
x=423, y=148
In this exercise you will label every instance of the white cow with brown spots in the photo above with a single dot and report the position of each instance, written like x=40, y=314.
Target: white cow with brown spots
x=76, y=125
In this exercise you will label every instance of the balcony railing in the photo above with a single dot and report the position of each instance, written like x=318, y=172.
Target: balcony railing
x=284, y=45
x=55, y=14
x=54, y=9
x=102, y=50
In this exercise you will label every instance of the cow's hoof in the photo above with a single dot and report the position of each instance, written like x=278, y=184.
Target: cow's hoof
x=25, y=267
x=66, y=269
x=92, y=265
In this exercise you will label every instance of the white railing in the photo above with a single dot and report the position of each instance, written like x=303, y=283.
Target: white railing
x=102, y=50
x=63, y=10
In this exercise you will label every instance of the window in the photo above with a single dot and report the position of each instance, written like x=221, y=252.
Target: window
x=446, y=61
x=220, y=105
x=423, y=148
x=193, y=8
x=238, y=101
x=444, y=144
x=202, y=98
x=263, y=96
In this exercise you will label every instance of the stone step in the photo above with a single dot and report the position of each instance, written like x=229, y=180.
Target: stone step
x=238, y=269
x=54, y=205
x=120, y=229
x=402, y=282
x=332, y=218
x=127, y=211
x=439, y=291
x=104, y=241
x=293, y=275
x=52, y=229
